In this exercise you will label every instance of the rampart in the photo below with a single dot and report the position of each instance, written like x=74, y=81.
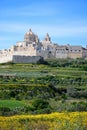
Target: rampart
x=26, y=59
x=5, y=58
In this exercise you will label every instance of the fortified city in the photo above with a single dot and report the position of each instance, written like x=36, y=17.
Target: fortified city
x=32, y=49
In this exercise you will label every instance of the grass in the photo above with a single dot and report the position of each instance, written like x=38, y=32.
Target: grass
x=33, y=80
x=34, y=68
x=12, y=104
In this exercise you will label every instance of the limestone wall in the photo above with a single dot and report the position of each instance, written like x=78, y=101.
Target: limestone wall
x=5, y=58
x=84, y=53
x=75, y=55
x=61, y=55
x=25, y=59
x=25, y=53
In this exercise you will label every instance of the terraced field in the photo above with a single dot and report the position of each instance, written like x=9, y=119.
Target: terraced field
x=44, y=88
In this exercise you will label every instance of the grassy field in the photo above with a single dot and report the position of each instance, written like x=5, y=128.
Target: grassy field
x=12, y=104
x=27, y=90
x=26, y=81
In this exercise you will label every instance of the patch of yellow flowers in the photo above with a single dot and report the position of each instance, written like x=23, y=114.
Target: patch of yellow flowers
x=53, y=121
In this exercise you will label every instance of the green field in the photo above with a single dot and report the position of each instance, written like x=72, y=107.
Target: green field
x=55, y=85
x=12, y=104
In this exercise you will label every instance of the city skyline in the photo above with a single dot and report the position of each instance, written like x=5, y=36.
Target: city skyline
x=64, y=20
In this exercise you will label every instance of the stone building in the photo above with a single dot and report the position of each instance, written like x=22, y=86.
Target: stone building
x=69, y=52
x=33, y=47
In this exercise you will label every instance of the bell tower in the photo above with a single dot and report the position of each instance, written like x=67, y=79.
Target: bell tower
x=47, y=38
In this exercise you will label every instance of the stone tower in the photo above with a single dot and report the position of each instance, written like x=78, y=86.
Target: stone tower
x=47, y=38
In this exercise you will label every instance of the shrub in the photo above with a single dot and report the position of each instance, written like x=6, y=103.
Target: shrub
x=4, y=111
x=41, y=106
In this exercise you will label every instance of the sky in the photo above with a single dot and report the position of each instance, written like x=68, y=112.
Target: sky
x=64, y=20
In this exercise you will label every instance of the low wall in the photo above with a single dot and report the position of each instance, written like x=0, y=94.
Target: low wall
x=26, y=59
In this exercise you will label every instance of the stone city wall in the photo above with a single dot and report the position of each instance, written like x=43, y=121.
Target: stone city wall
x=26, y=59
x=25, y=53
x=75, y=55
x=5, y=58
x=61, y=55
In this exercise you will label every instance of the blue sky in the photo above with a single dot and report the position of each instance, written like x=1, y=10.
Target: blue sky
x=64, y=20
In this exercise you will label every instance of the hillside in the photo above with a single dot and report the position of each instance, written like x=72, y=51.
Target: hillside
x=51, y=86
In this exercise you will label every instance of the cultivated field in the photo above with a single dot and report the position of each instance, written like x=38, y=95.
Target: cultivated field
x=45, y=96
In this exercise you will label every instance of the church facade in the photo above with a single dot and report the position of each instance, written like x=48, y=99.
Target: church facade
x=33, y=47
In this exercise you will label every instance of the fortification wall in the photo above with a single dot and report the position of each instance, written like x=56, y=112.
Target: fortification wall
x=25, y=53
x=75, y=55
x=61, y=55
x=84, y=53
x=26, y=59
x=5, y=58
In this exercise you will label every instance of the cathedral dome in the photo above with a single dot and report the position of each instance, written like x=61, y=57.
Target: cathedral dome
x=30, y=37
